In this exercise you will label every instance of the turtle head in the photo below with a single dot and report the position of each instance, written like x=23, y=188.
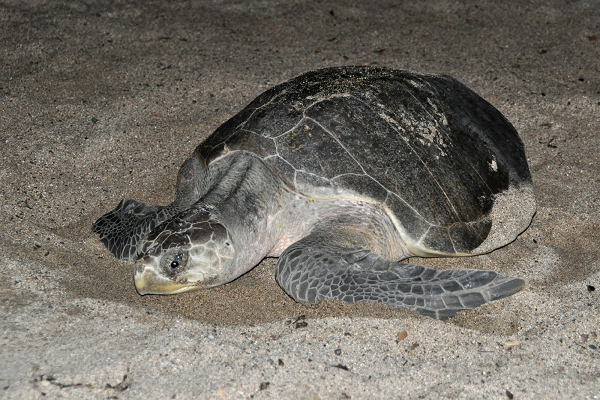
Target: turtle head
x=183, y=254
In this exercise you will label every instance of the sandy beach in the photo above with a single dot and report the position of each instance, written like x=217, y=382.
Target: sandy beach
x=101, y=101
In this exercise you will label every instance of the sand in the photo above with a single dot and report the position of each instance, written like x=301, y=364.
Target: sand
x=101, y=101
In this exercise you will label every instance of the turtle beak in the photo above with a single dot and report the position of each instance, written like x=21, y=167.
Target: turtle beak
x=147, y=281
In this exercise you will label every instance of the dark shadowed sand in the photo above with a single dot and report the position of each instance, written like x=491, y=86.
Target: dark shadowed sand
x=101, y=101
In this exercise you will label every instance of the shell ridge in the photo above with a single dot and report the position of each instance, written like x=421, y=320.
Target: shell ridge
x=452, y=241
x=271, y=100
x=361, y=167
x=341, y=145
x=445, y=133
x=468, y=226
x=350, y=174
x=423, y=236
x=241, y=124
x=388, y=120
x=304, y=117
x=283, y=159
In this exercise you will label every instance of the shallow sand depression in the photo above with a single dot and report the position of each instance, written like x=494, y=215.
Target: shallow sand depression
x=104, y=101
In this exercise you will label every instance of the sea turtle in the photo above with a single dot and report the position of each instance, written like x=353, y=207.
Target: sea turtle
x=341, y=173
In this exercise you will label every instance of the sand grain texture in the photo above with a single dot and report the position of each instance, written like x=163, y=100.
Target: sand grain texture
x=101, y=101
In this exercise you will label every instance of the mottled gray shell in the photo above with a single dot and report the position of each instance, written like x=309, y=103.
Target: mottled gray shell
x=448, y=167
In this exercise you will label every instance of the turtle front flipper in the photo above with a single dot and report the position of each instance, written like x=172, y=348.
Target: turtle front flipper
x=313, y=269
x=122, y=229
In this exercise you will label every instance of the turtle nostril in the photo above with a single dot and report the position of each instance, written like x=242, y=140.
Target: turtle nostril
x=139, y=267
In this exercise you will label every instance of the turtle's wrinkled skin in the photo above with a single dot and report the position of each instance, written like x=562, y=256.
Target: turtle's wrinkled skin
x=341, y=173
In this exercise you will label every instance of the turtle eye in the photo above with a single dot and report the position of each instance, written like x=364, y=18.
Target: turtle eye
x=176, y=263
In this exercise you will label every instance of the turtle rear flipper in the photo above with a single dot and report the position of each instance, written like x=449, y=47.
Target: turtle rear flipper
x=121, y=229
x=312, y=270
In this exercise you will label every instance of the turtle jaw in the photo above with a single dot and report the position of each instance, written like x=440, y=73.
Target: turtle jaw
x=148, y=281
